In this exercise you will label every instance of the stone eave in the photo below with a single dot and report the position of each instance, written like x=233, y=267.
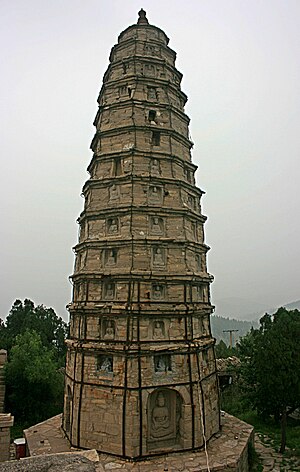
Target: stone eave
x=132, y=41
x=130, y=178
x=106, y=212
x=136, y=151
x=125, y=103
x=143, y=26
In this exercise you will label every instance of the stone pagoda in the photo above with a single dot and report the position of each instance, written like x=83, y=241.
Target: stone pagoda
x=141, y=373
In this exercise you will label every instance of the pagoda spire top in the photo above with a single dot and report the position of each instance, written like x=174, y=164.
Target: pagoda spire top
x=142, y=20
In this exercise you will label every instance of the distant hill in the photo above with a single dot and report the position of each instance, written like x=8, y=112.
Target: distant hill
x=289, y=306
x=221, y=323
x=293, y=305
x=243, y=309
x=218, y=324
x=240, y=308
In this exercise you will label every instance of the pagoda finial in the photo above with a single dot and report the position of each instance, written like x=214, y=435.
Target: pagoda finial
x=142, y=18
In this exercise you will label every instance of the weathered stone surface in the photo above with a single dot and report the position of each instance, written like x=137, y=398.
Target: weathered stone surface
x=6, y=422
x=3, y=357
x=50, y=463
x=141, y=373
x=226, y=451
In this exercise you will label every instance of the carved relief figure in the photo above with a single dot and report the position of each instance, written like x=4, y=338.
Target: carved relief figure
x=200, y=292
x=150, y=70
x=109, y=291
x=198, y=263
x=157, y=292
x=158, y=330
x=109, y=329
x=127, y=165
x=112, y=226
x=164, y=415
x=98, y=146
x=156, y=225
x=113, y=194
x=161, y=420
x=158, y=257
x=162, y=363
x=205, y=358
x=155, y=194
x=191, y=202
x=152, y=94
x=155, y=170
x=105, y=363
x=202, y=326
x=111, y=257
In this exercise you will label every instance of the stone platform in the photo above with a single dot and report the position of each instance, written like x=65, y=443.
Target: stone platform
x=227, y=451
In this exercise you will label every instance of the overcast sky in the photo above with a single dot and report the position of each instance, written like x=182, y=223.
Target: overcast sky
x=240, y=64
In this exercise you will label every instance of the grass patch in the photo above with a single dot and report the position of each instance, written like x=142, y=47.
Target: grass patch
x=231, y=402
x=267, y=427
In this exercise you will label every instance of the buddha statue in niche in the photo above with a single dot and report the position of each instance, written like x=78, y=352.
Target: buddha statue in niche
x=155, y=170
x=109, y=329
x=111, y=257
x=156, y=225
x=158, y=258
x=162, y=363
x=155, y=194
x=161, y=419
x=112, y=226
x=105, y=364
x=164, y=418
x=198, y=262
x=158, y=330
x=113, y=194
x=157, y=292
x=109, y=291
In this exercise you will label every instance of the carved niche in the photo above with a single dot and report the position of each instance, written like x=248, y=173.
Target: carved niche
x=108, y=329
x=155, y=167
x=151, y=93
x=203, y=325
x=110, y=257
x=156, y=225
x=114, y=194
x=162, y=363
x=157, y=292
x=158, y=329
x=155, y=194
x=105, y=364
x=164, y=419
x=158, y=256
x=109, y=291
x=198, y=262
x=112, y=225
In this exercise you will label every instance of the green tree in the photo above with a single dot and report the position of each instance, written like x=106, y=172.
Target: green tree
x=270, y=369
x=222, y=351
x=34, y=383
x=25, y=316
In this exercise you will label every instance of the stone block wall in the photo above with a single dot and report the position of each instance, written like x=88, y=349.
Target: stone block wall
x=3, y=358
x=6, y=422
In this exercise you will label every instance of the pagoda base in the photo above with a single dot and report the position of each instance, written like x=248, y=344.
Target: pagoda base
x=226, y=451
